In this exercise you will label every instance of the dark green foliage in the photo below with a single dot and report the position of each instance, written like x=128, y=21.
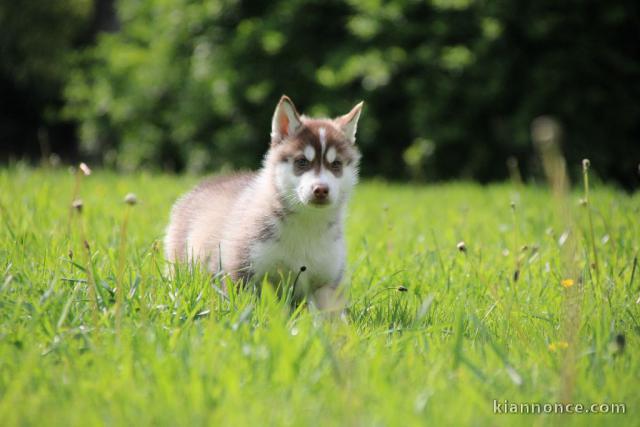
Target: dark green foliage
x=37, y=39
x=451, y=86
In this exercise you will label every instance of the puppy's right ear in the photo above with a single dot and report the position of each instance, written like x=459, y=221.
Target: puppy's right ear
x=286, y=120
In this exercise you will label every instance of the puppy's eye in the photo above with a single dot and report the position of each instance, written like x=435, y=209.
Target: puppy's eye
x=301, y=163
x=336, y=165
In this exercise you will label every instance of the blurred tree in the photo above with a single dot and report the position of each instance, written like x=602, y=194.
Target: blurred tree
x=451, y=86
x=37, y=43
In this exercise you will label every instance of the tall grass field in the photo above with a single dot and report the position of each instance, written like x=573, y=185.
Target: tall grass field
x=464, y=300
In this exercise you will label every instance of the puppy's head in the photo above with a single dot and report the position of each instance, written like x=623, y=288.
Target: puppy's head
x=314, y=161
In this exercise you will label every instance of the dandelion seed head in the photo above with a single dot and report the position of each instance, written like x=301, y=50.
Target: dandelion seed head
x=563, y=238
x=54, y=160
x=130, y=199
x=586, y=163
x=85, y=169
x=545, y=130
x=462, y=246
x=77, y=204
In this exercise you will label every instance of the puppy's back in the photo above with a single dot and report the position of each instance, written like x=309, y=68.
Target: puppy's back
x=197, y=218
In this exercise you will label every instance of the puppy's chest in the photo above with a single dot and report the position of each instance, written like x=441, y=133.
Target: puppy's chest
x=319, y=248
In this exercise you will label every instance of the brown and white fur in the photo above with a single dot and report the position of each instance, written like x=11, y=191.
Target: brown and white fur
x=287, y=215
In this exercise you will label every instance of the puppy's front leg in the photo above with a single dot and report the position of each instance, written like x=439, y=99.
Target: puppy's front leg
x=329, y=299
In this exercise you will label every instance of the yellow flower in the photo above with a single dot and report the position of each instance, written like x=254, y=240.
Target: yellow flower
x=558, y=345
x=567, y=283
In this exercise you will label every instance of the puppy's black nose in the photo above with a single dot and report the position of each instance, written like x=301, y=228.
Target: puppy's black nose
x=321, y=191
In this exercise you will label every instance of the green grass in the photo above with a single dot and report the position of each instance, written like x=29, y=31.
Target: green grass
x=463, y=333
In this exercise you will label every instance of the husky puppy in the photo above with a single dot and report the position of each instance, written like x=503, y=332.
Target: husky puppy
x=283, y=221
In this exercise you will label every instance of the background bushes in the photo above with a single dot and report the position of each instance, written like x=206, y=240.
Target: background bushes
x=451, y=86
x=37, y=40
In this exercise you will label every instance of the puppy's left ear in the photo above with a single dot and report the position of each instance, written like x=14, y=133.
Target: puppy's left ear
x=349, y=122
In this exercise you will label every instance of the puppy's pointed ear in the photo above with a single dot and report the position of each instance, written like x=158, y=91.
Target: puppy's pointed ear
x=349, y=122
x=286, y=120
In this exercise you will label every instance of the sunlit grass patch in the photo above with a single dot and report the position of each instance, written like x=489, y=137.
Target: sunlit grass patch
x=438, y=323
